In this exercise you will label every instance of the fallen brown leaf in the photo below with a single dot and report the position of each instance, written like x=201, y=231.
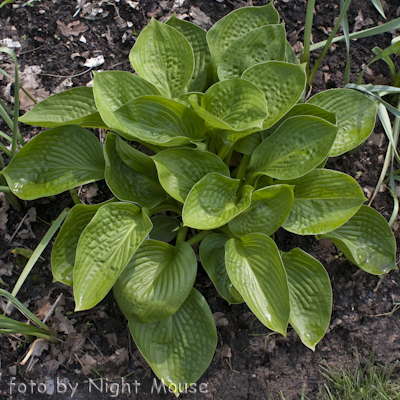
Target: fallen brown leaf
x=74, y=28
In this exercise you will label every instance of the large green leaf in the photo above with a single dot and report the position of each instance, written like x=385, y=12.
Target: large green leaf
x=104, y=249
x=180, y=169
x=112, y=89
x=156, y=282
x=323, y=201
x=196, y=36
x=237, y=24
x=268, y=209
x=213, y=202
x=130, y=174
x=282, y=84
x=160, y=121
x=54, y=161
x=179, y=348
x=164, y=57
x=367, y=241
x=310, y=296
x=298, y=146
x=234, y=104
x=75, y=106
x=256, y=270
x=212, y=256
x=64, y=249
x=248, y=144
x=301, y=109
x=165, y=228
x=259, y=45
x=355, y=115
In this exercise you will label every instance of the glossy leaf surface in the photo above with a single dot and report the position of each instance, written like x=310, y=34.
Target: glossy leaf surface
x=256, y=270
x=156, y=281
x=268, y=209
x=112, y=89
x=130, y=174
x=212, y=256
x=355, y=115
x=298, y=146
x=234, y=104
x=179, y=348
x=259, y=45
x=75, y=106
x=180, y=169
x=310, y=296
x=164, y=57
x=104, y=249
x=212, y=202
x=54, y=161
x=282, y=84
x=160, y=121
x=323, y=201
x=196, y=36
x=367, y=241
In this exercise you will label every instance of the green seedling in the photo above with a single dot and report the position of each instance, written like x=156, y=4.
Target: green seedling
x=200, y=101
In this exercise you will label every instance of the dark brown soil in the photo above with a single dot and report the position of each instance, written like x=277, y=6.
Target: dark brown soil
x=250, y=363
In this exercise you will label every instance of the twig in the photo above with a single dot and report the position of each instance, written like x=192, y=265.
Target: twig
x=52, y=308
x=72, y=76
x=18, y=228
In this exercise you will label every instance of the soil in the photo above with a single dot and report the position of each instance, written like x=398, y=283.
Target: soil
x=250, y=362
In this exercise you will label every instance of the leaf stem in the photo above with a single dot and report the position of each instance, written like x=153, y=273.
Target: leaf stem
x=223, y=151
x=198, y=237
x=241, y=172
x=307, y=34
x=74, y=195
x=182, y=232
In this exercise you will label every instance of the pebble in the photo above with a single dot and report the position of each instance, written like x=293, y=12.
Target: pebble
x=13, y=370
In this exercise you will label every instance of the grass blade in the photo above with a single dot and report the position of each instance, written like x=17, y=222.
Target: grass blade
x=378, y=5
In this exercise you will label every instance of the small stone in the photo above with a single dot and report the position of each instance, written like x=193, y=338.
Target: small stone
x=271, y=345
x=13, y=370
x=254, y=376
x=49, y=386
x=381, y=159
x=226, y=352
x=222, y=322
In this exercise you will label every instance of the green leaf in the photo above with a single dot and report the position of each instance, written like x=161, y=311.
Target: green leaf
x=290, y=55
x=268, y=209
x=212, y=256
x=257, y=46
x=196, y=36
x=301, y=109
x=130, y=174
x=179, y=348
x=282, y=84
x=213, y=202
x=367, y=241
x=156, y=282
x=180, y=169
x=234, y=104
x=104, y=249
x=160, y=121
x=298, y=146
x=355, y=116
x=164, y=57
x=323, y=201
x=248, y=144
x=112, y=89
x=256, y=270
x=310, y=296
x=75, y=106
x=64, y=249
x=236, y=24
x=165, y=228
x=54, y=161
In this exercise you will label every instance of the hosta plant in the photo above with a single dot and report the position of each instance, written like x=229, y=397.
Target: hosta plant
x=200, y=102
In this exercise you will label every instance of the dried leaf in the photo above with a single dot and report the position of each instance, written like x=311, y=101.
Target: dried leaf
x=74, y=28
x=200, y=18
x=3, y=211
